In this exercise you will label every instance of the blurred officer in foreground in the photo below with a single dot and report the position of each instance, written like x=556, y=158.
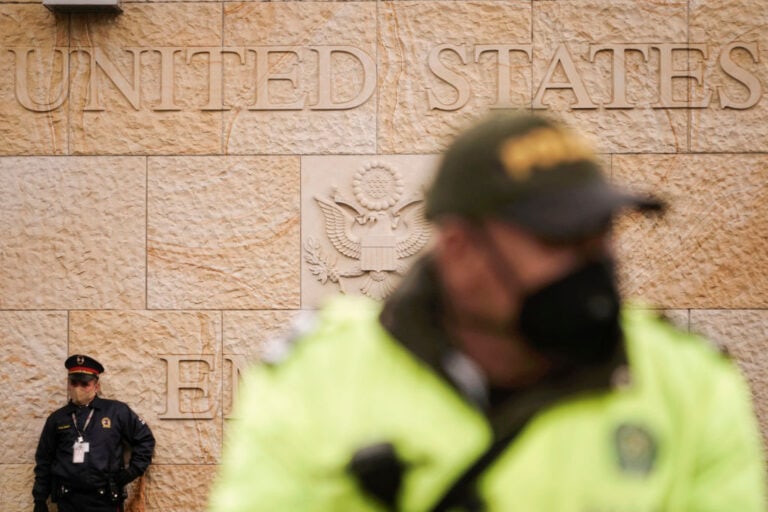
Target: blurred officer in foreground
x=503, y=374
x=79, y=459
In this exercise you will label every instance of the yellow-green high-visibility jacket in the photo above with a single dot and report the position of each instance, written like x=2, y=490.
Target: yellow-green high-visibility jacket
x=667, y=426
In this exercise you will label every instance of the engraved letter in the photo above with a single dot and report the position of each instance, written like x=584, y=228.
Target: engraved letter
x=449, y=76
x=131, y=92
x=174, y=386
x=22, y=86
x=740, y=74
x=215, y=74
x=167, y=102
x=238, y=363
x=618, y=53
x=503, y=79
x=264, y=76
x=324, y=96
x=573, y=81
x=667, y=73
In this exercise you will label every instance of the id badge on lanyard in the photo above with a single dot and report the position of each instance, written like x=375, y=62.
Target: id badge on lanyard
x=81, y=447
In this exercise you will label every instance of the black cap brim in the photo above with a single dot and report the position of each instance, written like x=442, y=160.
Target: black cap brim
x=82, y=377
x=577, y=212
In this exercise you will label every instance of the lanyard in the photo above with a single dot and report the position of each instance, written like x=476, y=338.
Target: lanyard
x=85, y=427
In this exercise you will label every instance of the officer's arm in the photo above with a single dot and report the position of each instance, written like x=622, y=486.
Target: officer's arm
x=138, y=435
x=258, y=470
x=729, y=473
x=46, y=452
x=281, y=452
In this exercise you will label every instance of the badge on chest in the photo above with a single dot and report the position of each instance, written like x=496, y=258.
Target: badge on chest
x=79, y=449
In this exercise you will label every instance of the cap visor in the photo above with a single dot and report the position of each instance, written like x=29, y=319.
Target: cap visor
x=82, y=376
x=576, y=212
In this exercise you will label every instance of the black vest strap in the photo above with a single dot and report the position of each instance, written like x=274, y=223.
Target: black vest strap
x=462, y=492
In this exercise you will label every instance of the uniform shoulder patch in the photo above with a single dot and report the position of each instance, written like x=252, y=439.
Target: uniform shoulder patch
x=636, y=449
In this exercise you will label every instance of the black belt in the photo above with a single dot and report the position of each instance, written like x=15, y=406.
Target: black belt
x=66, y=490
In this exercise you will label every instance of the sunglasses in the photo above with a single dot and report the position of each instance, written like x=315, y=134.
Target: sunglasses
x=79, y=383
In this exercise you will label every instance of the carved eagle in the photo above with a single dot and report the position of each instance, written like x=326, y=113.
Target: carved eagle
x=338, y=225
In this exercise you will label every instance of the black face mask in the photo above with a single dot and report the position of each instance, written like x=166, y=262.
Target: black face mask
x=575, y=318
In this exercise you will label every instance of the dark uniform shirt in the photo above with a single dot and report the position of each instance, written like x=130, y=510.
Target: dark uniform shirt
x=112, y=427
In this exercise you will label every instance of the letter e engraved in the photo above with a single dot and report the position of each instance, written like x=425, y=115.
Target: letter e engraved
x=175, y=386
x=265, y=74
x=667, y=73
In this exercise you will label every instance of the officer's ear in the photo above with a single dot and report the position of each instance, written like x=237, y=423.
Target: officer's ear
x=456, y=251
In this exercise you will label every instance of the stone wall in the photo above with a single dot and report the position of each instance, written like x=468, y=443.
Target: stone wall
x=170, y=179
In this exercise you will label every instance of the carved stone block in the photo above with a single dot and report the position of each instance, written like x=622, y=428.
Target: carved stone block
x=140, y=80
x=73, y=232
x=34, y=348
x=617, y=93
x=362, y=222
x=223, y=232
x=32, y=81
x=442, y=67
x=301, y=86
x=735, y=75
x=708, y=251
x=16, y=483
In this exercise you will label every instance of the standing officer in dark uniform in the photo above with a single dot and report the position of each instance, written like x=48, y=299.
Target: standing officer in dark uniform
x=79, y=459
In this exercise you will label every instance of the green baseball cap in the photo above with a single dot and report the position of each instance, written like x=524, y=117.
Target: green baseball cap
x=531, y=171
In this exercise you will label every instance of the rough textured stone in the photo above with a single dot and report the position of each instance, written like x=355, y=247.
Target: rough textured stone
x=708, y=250
x=179, y=488
x=34, y=348
x=409, y=32
x=201, y=257
x=301, y=26
x=245, y=335
x=42, y=130
x=143, y=129
x=718, y=23
x=744, y=334
x=16, y=483
x=377, y=203
x=131, y=345
x=223, y=232
x=73, y=232
x=581, y=23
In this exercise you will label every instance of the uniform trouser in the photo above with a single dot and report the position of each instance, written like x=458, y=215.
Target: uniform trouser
x=91, y=502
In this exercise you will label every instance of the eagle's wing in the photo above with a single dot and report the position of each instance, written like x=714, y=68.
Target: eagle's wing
x=337, y=224
x=418, y=232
